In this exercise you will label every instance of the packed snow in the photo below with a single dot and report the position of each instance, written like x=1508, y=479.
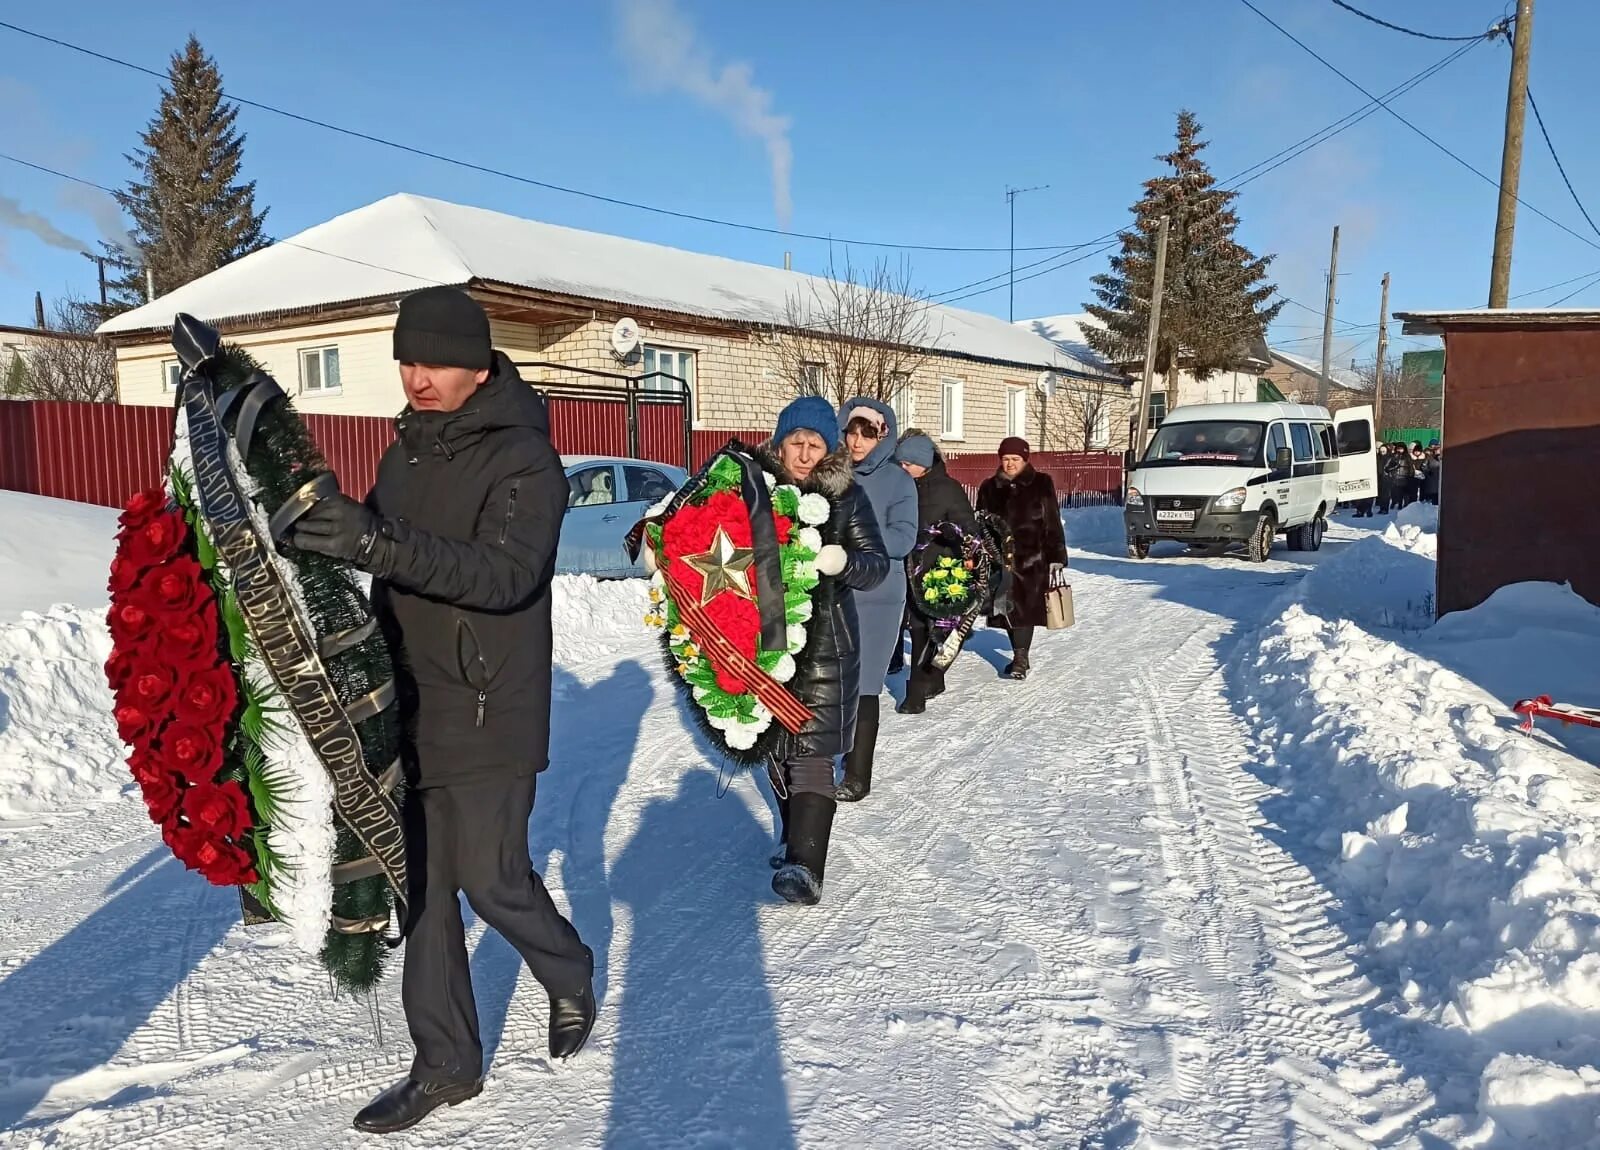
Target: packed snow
x=1255, y=859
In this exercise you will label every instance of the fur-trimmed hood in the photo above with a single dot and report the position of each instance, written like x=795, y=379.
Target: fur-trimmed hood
x=831, y=479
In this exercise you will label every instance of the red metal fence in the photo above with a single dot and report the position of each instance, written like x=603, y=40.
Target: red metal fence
x=102, y=453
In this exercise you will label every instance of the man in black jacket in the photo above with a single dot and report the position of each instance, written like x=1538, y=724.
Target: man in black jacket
x=460, y=535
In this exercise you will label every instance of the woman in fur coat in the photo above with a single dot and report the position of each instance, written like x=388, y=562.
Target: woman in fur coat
x=1026, y=500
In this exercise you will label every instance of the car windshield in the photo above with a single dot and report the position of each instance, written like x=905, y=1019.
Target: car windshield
x=1222, y=443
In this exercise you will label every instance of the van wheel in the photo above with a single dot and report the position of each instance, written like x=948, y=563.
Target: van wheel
x=1138, y=549
x=1260, y=545
x=1315, y=532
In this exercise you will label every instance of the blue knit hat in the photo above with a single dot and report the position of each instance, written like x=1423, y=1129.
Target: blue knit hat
x=809, y=413
x=917, y=449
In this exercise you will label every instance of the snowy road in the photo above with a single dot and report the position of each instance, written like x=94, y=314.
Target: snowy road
x=1058, y=922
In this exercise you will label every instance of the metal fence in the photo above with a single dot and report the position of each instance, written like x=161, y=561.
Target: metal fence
x=102, y=453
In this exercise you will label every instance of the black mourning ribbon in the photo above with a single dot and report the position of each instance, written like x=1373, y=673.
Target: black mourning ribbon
x=768, y=565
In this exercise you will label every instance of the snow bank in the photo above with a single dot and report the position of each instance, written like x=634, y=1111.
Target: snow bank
x=58, y=746
x=1422, y=515
x=1467, y=855
x=1095, y=529
x=52, y=551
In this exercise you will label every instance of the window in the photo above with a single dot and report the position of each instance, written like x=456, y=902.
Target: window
x=1324, y=444
x=1277, y=440
x=172, y=374
x=1100, y=433
x=1222, y=443
x=811, y=378
x=1017, y=411
x=647, y=485
x=592, y=487
x=661, y=362
x=1158, y=408
x=953, y=412
x=1355, y=437
x=1300, y=434
x=903, y=402
x=319, y=370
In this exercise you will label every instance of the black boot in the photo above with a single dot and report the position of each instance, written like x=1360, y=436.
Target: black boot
x=1018, y=667
x=408, y=1102
x=857, y=783
x=571, y=1020
x=935, y=686
x=799, y=880
x=781, y=854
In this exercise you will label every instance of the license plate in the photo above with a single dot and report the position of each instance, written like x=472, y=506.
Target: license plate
x=1175, y=516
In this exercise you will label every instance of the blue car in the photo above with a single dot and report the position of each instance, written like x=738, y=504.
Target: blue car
x=606, y=496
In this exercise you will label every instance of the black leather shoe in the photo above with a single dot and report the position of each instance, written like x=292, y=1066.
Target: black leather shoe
x=408, y=1102
x=571, y=1020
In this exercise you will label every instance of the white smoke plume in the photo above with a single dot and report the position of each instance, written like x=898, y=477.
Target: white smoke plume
x=14, y=215
x=105, y=213
x=660, y=42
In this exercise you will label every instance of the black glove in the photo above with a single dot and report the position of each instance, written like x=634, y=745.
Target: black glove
x=342, y=529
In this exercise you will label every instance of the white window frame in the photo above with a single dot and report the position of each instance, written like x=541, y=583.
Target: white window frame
x=652, y=353
x=811, y=376
x=1151, y=410
x=904, y=403
x=952, y=409
x=322, y=353
x=1017, y=421
x=171, y=374
x=1100, y=434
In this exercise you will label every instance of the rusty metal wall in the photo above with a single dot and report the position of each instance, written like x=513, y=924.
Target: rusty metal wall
x=1521, y=442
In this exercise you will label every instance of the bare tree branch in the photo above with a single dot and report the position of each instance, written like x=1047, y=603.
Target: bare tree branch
x=855, y=332
x=69, y=363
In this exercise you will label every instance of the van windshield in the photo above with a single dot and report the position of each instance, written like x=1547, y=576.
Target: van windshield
x=1219, y=443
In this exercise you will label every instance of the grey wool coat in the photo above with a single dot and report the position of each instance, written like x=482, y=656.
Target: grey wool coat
x=893, y=495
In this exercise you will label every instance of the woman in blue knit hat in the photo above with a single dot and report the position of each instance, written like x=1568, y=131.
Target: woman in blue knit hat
x=805, y=450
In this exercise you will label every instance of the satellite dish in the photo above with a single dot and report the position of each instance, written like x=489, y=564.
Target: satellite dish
x=624, y=337
x=1047, y=383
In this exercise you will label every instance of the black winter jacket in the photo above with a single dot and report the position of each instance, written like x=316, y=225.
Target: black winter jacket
x=477, y=496
x=1029, y=506
x=940, y=499
x=828, y=674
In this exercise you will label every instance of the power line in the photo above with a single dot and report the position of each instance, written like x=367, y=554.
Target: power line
x=1244, y=177
x=1412, y=31
x=484, y=169
x=1577, y=291
x=1560, y=167
x=1490, y=180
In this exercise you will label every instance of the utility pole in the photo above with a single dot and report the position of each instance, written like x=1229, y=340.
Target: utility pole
x=1152, y=338
x=1327, y=321
x=100, y=264
x=1505, y=223
x=1011, y=203
x=1383, y=350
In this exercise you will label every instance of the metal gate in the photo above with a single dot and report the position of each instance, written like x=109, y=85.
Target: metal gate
x=610, y=413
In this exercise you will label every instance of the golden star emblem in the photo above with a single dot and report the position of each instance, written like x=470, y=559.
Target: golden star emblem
x=724, y=568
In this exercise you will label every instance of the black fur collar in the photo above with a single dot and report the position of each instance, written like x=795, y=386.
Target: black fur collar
x=832, y=478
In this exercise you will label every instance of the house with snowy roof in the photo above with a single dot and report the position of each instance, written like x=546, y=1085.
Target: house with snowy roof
x=1239, y=384
x=1298, y=379
x=317, y=310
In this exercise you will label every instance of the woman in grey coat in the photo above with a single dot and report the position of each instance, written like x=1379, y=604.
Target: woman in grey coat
x=870, y=435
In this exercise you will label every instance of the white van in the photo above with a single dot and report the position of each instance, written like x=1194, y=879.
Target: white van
x=1223, y=473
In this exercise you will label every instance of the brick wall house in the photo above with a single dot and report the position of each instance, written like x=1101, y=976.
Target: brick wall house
x=318, y=311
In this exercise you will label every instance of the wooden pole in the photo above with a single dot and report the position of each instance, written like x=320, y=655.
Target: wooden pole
x=1505, y=224
x=1383, y=350
x=1327, y=321
x=1152, y=338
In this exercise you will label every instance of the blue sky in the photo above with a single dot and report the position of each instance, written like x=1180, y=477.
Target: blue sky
x=904, y=123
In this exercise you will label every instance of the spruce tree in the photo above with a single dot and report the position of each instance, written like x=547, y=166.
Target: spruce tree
x=191, y=213
x=1215, y=304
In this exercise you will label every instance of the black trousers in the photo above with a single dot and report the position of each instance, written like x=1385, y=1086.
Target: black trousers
x=473, y=838
x=924, y=679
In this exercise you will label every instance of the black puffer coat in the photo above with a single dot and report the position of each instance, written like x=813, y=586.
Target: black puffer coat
x=478, y=496
x=940, y=499
x=828, y=675
x=1030, y=508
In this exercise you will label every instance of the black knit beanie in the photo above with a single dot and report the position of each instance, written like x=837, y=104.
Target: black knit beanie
x=443, y=327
